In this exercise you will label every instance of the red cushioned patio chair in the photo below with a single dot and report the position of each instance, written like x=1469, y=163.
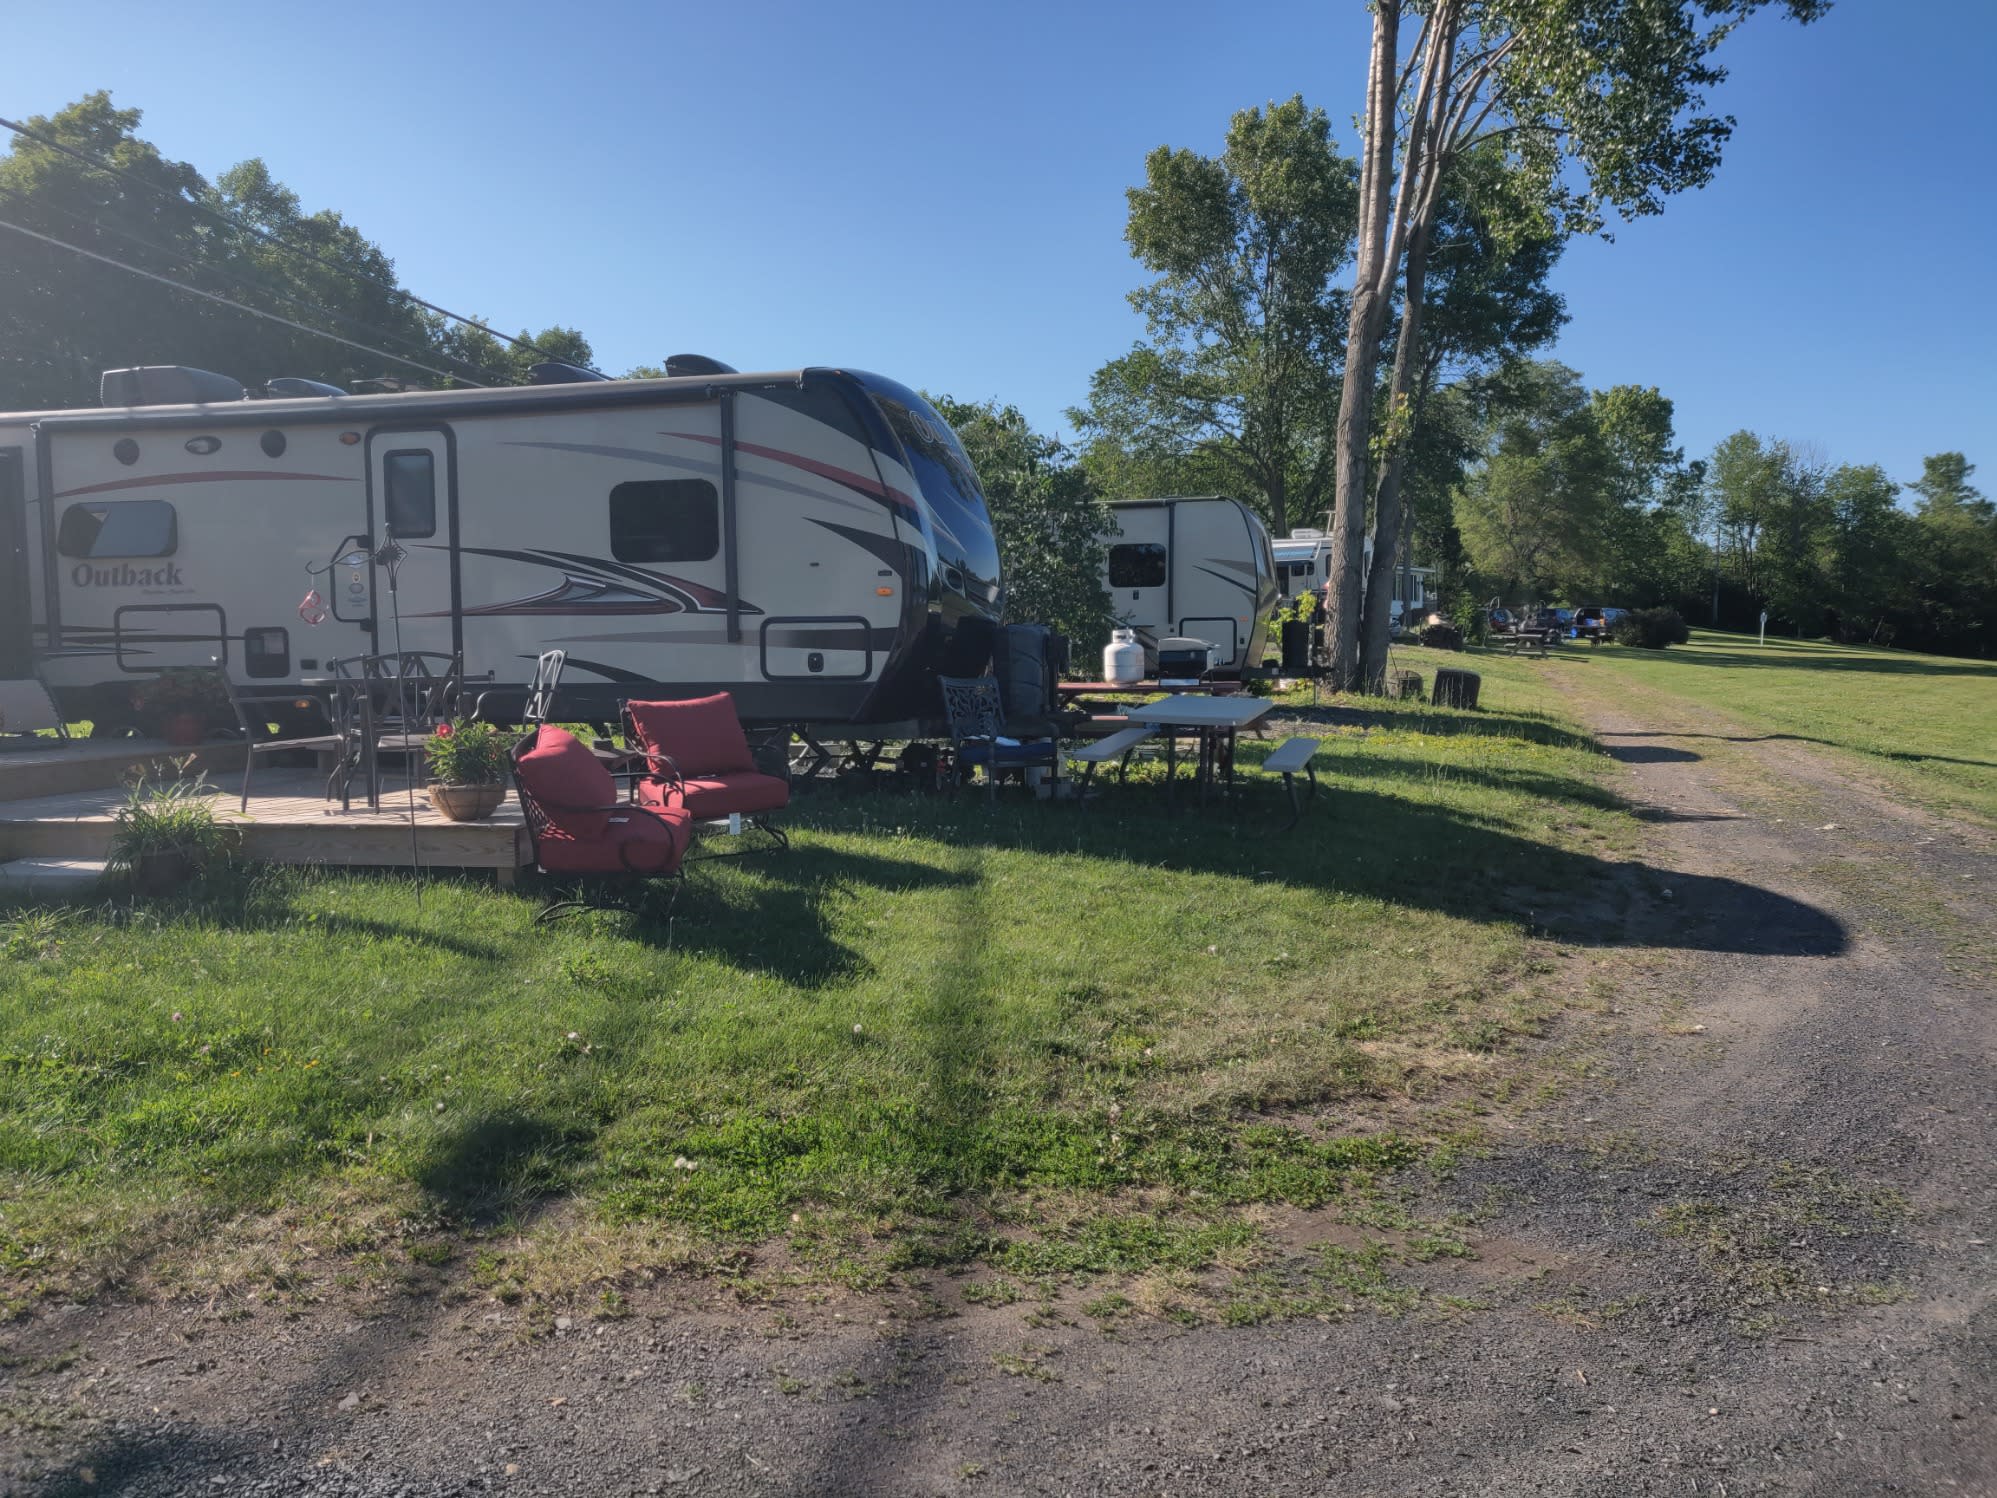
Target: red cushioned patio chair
x=698, y=761
x=579, y=824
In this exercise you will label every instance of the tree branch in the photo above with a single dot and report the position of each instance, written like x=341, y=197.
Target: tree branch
x=1466, y=96
x=1414, y=55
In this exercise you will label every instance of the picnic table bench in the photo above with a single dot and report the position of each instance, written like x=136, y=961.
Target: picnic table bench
x=1286, y=760
x=1118, y=746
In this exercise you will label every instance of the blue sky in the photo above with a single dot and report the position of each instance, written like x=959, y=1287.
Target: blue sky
x=936, y=192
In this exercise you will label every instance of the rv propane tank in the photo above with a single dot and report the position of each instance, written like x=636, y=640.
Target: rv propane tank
x=1123, y=658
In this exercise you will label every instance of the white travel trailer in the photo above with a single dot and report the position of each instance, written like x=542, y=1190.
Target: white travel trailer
x=1303, y=565
x=1198, y=568
x=1303, y=561
x=813, y=541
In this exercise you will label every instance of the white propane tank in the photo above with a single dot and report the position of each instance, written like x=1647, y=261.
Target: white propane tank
x=1123, y=658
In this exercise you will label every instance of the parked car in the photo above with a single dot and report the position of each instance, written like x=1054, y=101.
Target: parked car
x=1593, y=621
x=1500, y=621
x=1545, y=622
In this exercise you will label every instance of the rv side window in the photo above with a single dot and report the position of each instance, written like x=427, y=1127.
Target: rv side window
x=119, y=528
x=409, y=492
x=665, y=520
x=1137, y=565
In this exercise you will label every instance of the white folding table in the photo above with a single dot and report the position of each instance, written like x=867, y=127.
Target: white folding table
x=1214, y=721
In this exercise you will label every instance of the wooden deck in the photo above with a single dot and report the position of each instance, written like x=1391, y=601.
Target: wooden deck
x=289, y=821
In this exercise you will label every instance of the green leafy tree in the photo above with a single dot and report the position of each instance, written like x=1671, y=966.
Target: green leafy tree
x=1240, y=370
x=1774, y=525
x=1870, y=540
x=1049, y=523
x=65, y=317
x=507, y=363
x=1953, y=558
x=1642, y=554
x=1536, y=512
x=1598, y=106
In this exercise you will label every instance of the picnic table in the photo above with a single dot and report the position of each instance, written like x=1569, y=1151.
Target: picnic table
x=1213, y=721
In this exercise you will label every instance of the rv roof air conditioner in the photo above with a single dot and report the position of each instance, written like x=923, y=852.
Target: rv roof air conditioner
x=287, y=387
x=696, y=364
x=167, y=385
x=554, y=372
x=1306, y=533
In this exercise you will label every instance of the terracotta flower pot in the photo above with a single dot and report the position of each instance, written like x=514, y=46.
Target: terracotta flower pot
x=466, y=803
x=184, y=730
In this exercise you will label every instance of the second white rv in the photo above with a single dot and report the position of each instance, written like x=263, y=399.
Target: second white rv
x=1303, y=561
x=1195, y=567
x=1303, y=565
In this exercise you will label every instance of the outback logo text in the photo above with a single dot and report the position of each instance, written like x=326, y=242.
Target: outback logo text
x=125, y=575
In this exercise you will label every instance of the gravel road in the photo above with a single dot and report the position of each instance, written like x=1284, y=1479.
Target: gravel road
x=1746, y=1250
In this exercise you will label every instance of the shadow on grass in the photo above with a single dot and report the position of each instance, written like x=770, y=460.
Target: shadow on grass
x=766, y=913
x=1910, y=756
x=1357, y=841
x=1376, y=768
x=237, y=897
x=1807, y=659
x=499, y=1164
x=1441, y=722
x=1650, y=754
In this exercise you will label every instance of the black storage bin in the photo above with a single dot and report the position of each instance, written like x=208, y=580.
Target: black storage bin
x=1296, y=645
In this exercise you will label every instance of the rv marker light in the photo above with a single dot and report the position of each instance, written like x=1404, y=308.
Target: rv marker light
x=348, y=439
x=884, y=592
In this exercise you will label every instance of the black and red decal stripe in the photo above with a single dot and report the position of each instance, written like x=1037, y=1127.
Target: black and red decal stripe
x=217, y=476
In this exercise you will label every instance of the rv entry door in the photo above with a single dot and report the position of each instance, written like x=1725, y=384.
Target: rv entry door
x=413, y=497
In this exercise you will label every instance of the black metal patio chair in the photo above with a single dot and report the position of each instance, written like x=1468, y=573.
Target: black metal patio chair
x=255, y=725
x=978, y=734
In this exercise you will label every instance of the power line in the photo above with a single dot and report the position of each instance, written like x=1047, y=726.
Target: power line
x=194, y=265
x=228, y=302
x=229, y=222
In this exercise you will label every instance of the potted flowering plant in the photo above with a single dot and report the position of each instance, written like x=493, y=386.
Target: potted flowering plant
x=468, y=765
x=166, y=832
x=185, y=702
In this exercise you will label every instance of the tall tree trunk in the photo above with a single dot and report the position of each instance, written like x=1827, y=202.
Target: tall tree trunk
x=1362, y=350
x=1378, y=616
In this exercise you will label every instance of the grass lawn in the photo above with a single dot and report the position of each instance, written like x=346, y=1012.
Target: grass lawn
x=1926, y=722
x=932, y=1034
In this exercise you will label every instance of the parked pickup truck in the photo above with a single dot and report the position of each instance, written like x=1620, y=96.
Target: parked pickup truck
x=1592, y=622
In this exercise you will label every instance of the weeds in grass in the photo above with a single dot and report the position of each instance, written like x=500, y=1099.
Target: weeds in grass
x=1000, y=1292
x=1028, y=1362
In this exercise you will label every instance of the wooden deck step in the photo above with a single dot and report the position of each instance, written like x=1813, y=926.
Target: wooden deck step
x=59, y=878
x=27, y=769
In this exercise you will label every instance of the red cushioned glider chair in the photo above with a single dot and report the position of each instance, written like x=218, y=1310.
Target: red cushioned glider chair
x=579, y=824
x=697, y=761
